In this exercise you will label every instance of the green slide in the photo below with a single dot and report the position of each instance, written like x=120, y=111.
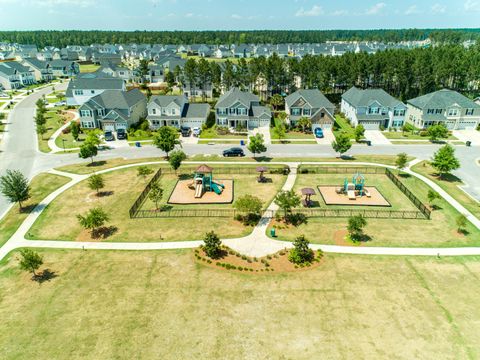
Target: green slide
x=217, y=188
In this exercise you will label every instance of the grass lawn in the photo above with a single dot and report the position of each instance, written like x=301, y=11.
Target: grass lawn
x=224, y=141
x=450, y=184
x=54, y=122
x=88, y=68
x=342, y=125
x=163, y=305
x=301, y=142
x=440, y=231
x=59, y=221
x=69, y=142
x=2, y=103
x=291, y=134
x=212, y=133
x=408, y=136
x=41, y=185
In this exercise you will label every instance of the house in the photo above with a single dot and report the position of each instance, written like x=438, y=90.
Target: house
x=86, y=86
x=113, y=109
x=116, y=71
x=241, y=109
x=99, y=58
x=447, y=107
x=14, y=75
x=242, y=51
x=64, y=68
x=373, y=108
x=205, y=90
x=156, y=74
x=176, y=111
x=312, y=104
x=41, y=69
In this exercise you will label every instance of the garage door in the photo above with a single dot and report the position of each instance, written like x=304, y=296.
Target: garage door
x=466, y=125
x=370, y=125
x=121, y=126
x=265, y=122
x=108, y=127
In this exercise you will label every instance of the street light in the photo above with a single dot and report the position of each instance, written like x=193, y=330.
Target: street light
x=63, y=142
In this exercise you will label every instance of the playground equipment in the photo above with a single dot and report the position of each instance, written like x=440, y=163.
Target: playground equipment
x=354, y=189
x=307, y=192
x=203, y=181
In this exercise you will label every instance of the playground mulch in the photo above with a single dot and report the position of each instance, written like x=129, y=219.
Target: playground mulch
x=182, y=194
x=330, y=197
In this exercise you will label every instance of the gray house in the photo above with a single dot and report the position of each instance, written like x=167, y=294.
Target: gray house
x=176, y=111
x=447, y=107
x=86, y=86
x=373, y=108
x=14, y=75
x=41, y=69
x=113, y=110
x=116, y=71
x=312, y=104
x=242, y=109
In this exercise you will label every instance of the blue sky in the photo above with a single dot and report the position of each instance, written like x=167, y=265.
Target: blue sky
x=236, y=14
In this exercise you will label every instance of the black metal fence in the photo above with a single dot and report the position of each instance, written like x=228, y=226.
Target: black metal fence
x=233, y=170
x=420, y=205
x=315, y=169
x=345, y=213
x=138, y=203
x=186, y=213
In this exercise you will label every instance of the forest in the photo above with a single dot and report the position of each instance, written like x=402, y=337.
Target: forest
x=404, y=74
x=74, y=37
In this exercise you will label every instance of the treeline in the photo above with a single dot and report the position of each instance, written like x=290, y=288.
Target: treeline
x=404, y=74
x=74, y=37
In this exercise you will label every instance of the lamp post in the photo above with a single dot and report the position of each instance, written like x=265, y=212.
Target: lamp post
x=63, y=143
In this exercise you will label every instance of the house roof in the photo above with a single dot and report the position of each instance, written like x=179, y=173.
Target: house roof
x=94, y=82
x=313, y=97
x=12, y=67
x=236, y=95
x=261, y=110
x=115, y=99
x=203, y=169
x=165, y=100
x=442, y=99
x=197, y=111
x=361, y=98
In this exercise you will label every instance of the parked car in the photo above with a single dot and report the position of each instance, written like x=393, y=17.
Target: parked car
x=233, y=152
x=61, y=103
x=186, y=131
x=109, y=136
x=121, y=134
x=319, y=133
x=197, y=131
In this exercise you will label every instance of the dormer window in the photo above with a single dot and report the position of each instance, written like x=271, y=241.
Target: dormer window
x=452, y=112
x=296, y=111
x=469, y=112
x=307, y=111
x=154, y=111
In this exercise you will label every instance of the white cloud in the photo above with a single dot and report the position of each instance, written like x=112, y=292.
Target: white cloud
x=376, y=9
x=412, y=10
x=472, y=5
x=53, y=3
x=340, y=13
x=438, y=8
x=314, y=11
x=236, y=16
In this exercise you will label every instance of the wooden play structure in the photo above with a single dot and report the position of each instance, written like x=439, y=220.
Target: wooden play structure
x=203, y=182
x=355, y=189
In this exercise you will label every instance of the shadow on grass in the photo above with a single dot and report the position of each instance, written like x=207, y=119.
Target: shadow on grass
x=404, y=175
x=105, y=193
x=360, y=238
x=97, y=163
x=45, y=275
x=28, y=209
x=262, y=159
x=446, y=177
x=348, y=157
x=104, y=232
x=436, y=207
x=464, y=232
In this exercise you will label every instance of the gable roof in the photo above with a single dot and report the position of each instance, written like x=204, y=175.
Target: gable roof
x=93, y=82
x=165, y=100
x=197, y=111
x=115, y=99
x=13, y=67
x=361, y=98
x=313, y=97
x=236, y=95
x=442, y=99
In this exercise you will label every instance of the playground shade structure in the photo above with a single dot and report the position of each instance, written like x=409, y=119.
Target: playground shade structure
x=331, y=197
x=183, y=194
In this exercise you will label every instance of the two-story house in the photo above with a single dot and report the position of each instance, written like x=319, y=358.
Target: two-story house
x=176, y=111
x=241, y=109
x=14, y=75
x=311, y=104
x=64, y=68
x=373, y=108
x=86, y=86
x=113, y=109
x=41, y=69
x=447, y=107
x=116, y=71
x=156, y=74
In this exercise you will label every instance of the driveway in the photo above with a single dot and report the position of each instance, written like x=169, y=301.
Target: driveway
x=468, y=135
x=376, y=137
x=327, y=139
x=265, y=131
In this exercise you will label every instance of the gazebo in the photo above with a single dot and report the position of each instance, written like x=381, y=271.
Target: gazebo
x=307, y=192
x=261, y=170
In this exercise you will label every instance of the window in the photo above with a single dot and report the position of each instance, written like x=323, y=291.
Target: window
x=322, y=114
x=92, y=91
x=241, y=111
x=233, y=111
x=84, y=113
x=438, y=111
x=374, y=110
x=452, y=112
x=78, y=92
x=154, y=111
x=101, y=112
x=222, y=111
x=88, y=124
x=431, y=111
x=172, y=112
x=306, y=111
x=469, y=112
x=399, y=112
x=296, y=111
x=222, y=122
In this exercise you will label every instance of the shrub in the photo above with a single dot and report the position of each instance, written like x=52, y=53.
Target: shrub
x=301, y=253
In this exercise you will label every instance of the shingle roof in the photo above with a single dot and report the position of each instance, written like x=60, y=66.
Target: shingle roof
x=260, y=110
x=442, y=99
x=236, y=95
x=10, y=67
x=197, y=111
x=165, y=100
x=313, y=97
x=115, y=99
x=94, y=82
x=360, y=98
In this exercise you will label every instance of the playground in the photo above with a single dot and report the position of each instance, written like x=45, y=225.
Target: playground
x=202, y=189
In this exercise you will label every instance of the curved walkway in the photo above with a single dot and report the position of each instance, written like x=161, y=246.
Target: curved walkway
x=256, y=244
x=51, y=142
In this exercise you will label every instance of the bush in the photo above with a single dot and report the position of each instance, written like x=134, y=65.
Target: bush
x=301, y=253
x=296, y=219
x=423, y=133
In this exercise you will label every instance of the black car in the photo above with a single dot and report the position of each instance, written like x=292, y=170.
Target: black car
x=233, y=152
x=121, y=134
x=186, y=131
x=109, y=136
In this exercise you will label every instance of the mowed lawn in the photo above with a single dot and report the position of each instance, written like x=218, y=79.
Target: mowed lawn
x=440, y=231
x=59, y=220
x=162, y=305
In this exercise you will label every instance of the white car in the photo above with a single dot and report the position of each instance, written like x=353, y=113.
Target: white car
x=197, y=131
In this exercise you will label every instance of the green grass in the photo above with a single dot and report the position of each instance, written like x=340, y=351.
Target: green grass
x=450, y=183
x=211, y=133
x=88, y=68
x=41, y=185
x=54, y=122
x=409, y=136
x=2, y=103
x=163, y=305
x=290, y=134
x=223, y=141
x=69, y=142
x=342, y=125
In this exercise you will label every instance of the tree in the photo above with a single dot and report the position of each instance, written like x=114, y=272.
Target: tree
x=355, y=227
x=75, y=130
x=279, y=131
x=93, y=137
x=88, y=150
x=276, y=101
x=401, y=161
x=144, y=171
x=14, y=186
x=305, y=123
x=432, y=196
x=170, y=79
x=444, y=160
x=30, y=261
x=359, y=132
x=143, y=69
x=251, y=206
x=155, y=194
x=301, y=253
x=40, y=119
x=41, y=130
x=342, y=143
x=166, y=139
x=461, y=222
x=212, y=245
x=257, y=144
x=94, y=219
x=175, y=159
x=286, y=200
x=436, y=132
x=96, y=182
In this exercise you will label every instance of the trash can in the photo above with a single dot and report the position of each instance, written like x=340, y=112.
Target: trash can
x=468, y=143
x=369, y=143
x=242, y=142
x=137, y=144
x=272, y=232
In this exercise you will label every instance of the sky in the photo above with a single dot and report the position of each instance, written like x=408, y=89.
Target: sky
x=236, y=14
